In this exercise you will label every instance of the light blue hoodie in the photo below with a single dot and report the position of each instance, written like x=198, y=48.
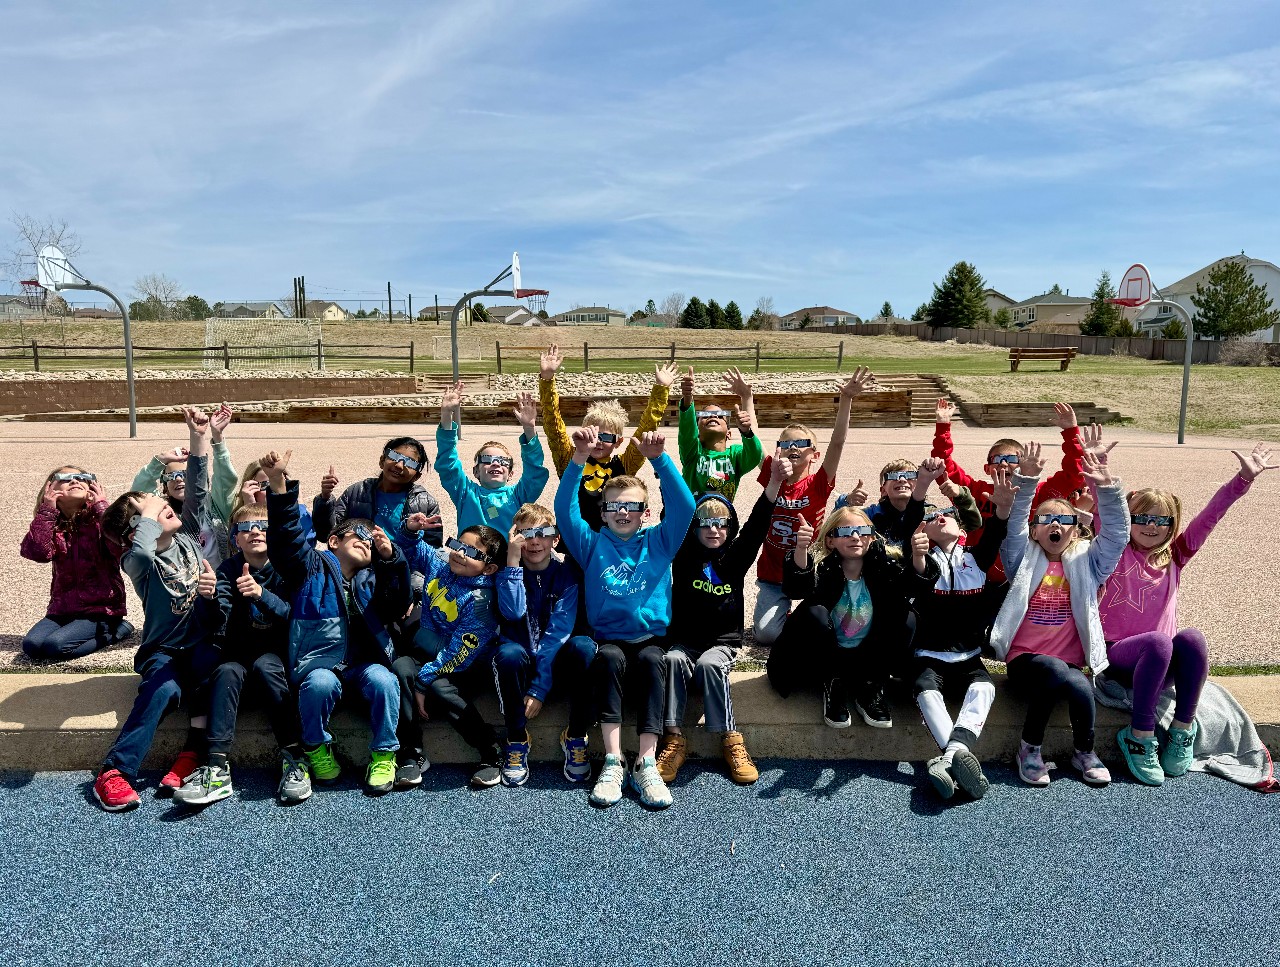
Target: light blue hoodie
x=628, y=582
x=493, y=507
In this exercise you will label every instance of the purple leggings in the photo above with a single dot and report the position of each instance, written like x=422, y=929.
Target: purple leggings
x=1151, y=657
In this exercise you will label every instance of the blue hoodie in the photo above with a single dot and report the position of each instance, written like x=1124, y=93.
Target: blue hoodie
x=538, y=611
x=494, y=507
x=459, y=609
x=627, y=583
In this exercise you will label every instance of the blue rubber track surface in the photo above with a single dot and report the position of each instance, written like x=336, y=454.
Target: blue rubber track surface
x=855, y=863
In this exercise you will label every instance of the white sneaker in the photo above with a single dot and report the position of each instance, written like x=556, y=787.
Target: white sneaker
x=648, y=782
x=613, y=776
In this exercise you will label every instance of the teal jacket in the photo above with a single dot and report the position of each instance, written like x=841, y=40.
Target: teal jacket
x=477, y=504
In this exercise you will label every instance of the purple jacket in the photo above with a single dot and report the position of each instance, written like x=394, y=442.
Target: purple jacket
x=86, y=574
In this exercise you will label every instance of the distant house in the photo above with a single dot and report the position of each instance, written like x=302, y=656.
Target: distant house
x=252, y=310
x=996, y=301
x=326, y=311
x=511, y=315
x=819, y=317
x=1051, y=309
x=590, y=316
x=1154, y=317
x=15, y=307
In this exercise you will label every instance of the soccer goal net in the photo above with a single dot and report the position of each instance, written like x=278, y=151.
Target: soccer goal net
x=262, y=343
x=442, y=349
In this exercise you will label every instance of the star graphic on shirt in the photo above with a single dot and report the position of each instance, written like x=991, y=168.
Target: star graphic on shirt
x=1131, y=579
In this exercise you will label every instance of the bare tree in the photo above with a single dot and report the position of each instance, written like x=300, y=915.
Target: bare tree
x=161, y=289
x=764, y=315
x=669, y=309
x=31, y=233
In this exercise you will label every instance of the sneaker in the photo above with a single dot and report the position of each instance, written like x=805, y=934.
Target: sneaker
x=741, y=769
x=409, y=771
x=940, y=776
x=576, y=766
x=323, y=765
x=1141, y=756
x=672, y=751
x=183, y=766
x=645, y=779
x=206, y=785
x=1032, y=769
x=515, y=763
x=1091, y=768
x=874, y=709
x=1179, y=750
x=295, y=779
x=114, y=792
x=967, y=771
x=608, y=788
x=381, y=776
x=835, y=706
x=489, y=774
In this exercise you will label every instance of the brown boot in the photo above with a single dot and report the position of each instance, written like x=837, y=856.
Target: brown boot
x=741, y=769
x=671, y=756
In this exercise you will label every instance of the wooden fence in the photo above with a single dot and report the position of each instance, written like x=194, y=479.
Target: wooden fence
x=750, y=355
x=226, y=356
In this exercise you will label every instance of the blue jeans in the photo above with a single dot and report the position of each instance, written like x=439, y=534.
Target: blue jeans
x=66, y=636
x=321, y=689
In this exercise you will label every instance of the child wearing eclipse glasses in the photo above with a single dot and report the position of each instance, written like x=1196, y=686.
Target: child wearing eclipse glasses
x=708, y=461
x=538, y=652
x=491, y=499
x=1048, y=631
x=86, y=595
x=1139, y=612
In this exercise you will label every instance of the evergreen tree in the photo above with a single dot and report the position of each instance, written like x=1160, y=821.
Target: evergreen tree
x=197, y=308
x=694, y=315
x=732, y=316
x=1103, y=317
x=715, y=315
x=958, y=302
x=886, y=310
x=1056, y=290
x=1122, y=329
x=921, y=314
x=650, y=309
x=806, y=322
x=1003, y=318
x=478, y=311
x=1173, y=329
x=1230, y=303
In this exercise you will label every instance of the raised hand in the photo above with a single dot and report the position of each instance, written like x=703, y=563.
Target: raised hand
x=420, y=522
x=585, y=439
x=329, y=482
x=860, y=382
x=736, y=383
x=451, y=399
x=857, y=496
x=96, y=493
x=196, y=419
x=207, y=582
x=526, y=411
x=1064, y=417
x=1091, y=440
x=745, y=423
x=50, y=498
x=549, y=362
x=515, y=542
x=219, y=420
x=1031, y=463
x=1003, y=491
x=652, y=445
x=919, y=548
x=804, y=538
x=1096, y=470
x=176, y=455
x=932, y=468
x=382, y=544
x=247, y=586
x=152, y=506
x=1256, y=462
x=665, y=374
x=780, y=467
x=686, y=387
x=946, y=411
x=276, y=465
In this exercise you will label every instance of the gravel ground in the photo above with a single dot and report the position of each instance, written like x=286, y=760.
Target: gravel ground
x=1231, y=590
x=852, y=864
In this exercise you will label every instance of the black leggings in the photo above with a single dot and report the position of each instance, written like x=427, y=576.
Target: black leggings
x=1043, y=681
x=648, y=674
x=806, y=655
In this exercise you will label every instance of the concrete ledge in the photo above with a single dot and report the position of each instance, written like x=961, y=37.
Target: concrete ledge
x=64, y=722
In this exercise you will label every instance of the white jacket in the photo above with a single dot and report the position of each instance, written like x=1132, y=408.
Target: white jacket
x=1086, y=566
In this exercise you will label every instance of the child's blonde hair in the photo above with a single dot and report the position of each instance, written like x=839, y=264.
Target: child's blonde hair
x=252, y=470
x=1149, y=500
x=837, y=518
x=533, y=515
x=248, y=512
x=1060, y=505
x=494, y=445
x=608, y=415
x=1005, y=443
x=803, y=429
x=892, y=465
x=623, y=482
x=49, y=479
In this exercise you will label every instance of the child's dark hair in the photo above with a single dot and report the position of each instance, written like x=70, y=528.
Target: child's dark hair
x=350, y=524
x=115, y=521
x=495, y=545
x=395, y=443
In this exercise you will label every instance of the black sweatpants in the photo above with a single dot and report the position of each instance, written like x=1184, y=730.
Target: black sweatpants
x=637, y=667
x=806, y=655
x=448, y=698
x=1043, y=681
x=268, y=679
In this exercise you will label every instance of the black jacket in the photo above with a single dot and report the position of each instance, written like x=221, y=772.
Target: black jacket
x=245, y=630
x=956, y=616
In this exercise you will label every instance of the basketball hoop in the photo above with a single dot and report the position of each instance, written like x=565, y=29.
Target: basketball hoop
x=1135, y=288
x=535, y=299
x=34, y=294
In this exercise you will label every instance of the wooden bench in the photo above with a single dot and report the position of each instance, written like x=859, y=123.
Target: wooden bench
x=1061, y=354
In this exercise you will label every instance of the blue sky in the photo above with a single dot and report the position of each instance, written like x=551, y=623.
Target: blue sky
x=819, y=153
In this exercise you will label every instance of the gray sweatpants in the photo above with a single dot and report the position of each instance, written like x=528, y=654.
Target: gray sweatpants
x=709, y=668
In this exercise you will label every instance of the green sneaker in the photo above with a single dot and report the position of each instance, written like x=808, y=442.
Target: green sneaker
x=324, y=766
x=382, y=772
x=1179, y=750
x=1141, y=757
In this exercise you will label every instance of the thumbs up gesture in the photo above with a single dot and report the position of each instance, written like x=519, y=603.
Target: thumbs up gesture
x=919, y=549
x=247, y=586
x=207, y=583
x=328, y=482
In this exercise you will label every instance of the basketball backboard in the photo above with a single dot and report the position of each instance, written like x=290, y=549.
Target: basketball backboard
x=54, y=270
x=515, y=274
x=1134, y=288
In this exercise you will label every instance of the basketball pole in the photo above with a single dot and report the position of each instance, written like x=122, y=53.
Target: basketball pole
x=128, y=344
x=1186, y=365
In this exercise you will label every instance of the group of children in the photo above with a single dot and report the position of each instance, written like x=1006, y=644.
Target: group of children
x=365, y=597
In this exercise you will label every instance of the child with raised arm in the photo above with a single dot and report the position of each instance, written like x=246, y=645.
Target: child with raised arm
x=951, y=629
x=610, y=421
x=344, y=597
x=627, y=587
x=86, y=595
x=538, y=652
x=388, y=499
x=1048, y=631
x=1139, y=612
x=491, y=499
x=802, y=501
x=707, y=621
x=163, y=560
x=903, y=488
x=448, y=663
x=708, y=461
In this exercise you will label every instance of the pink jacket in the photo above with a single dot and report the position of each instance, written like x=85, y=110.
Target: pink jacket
x=86, y=575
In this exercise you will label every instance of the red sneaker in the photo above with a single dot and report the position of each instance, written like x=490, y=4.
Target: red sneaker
x=113, y=791
x=183, y=766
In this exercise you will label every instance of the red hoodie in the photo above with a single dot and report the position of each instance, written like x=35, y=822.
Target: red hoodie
x=86, y=574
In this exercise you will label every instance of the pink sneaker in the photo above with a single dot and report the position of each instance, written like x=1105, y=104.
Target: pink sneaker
x=1091, y=768
x=1032, y=769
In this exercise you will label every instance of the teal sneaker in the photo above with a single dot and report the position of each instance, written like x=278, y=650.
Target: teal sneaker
x=1140, y=755
x=647, y=781
x=324, y=767
x=382, y=772
x=1179, y=750
x=613, y=776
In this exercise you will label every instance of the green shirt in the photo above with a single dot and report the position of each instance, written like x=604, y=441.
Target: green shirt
x=714, y=471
